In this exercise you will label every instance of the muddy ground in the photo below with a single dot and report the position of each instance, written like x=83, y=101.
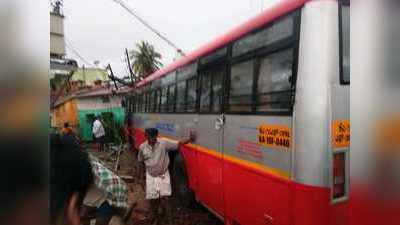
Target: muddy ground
x=196, y=215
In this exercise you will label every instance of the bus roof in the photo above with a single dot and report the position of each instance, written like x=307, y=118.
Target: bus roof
x=268, y=15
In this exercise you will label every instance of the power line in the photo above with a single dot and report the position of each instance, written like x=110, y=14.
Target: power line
x=146, y=24
x=70, y=47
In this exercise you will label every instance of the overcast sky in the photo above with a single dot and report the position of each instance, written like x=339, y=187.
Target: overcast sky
x=102, y=29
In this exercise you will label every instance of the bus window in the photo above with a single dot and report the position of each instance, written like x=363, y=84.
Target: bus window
x=274, y=89
x=191, y=95
x=171, y=98
x=186, y=72
x=205, y=92
x=150, y=101
x=137, y=105
x=125, y=103
x=139, y=102
x=147, y=102
x=144, y=102
x=241, y=87
x=142, y=109
x=345, y=43
x=279, y=30
x=168, y=79
x=153, y=96
x=217, y=78
x=158, y=100
x=214, y=56
x=134, y=103
x=154, y=101
x=180, y=96
x=164, y=94
x=141, y=99
x=128, y=104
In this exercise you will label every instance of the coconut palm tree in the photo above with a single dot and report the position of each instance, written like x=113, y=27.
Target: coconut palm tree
x=145, y=59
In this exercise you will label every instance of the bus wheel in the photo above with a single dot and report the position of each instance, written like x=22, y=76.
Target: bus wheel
x=181, y=191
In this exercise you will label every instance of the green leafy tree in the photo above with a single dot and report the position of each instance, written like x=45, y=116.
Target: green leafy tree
x=145, y=59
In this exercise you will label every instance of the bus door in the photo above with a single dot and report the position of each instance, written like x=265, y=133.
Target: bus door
x=210, y=138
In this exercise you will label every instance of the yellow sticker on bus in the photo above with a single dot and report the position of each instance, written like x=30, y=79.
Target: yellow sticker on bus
x=274, y=136
x=341, y=134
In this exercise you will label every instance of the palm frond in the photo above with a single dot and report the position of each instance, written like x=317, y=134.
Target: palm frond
x=145, y=59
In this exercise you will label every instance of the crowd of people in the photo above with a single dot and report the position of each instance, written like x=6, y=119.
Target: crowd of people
x=81, y=185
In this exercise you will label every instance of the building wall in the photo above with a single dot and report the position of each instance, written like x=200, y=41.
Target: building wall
x=86, y=120
x=99, y=102
x=89, y=75
x=79, y=113
x=66, y=112
x=88, y=108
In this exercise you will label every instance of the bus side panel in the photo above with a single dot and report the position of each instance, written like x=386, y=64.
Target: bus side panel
x=256, y=175
x=210, y=191
x=253, y=197
x=208, y=141
x=339, y=213
x=189, y=154
x=310, y=205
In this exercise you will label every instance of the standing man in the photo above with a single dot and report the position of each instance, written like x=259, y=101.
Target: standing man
x=154, y=153
x=99, y=133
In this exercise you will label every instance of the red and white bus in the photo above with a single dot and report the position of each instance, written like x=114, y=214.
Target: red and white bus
x=269, y=102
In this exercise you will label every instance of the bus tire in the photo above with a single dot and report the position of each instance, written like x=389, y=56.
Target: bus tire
x=181, y=190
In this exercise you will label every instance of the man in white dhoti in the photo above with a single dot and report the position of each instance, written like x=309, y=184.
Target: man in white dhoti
x=154, y=153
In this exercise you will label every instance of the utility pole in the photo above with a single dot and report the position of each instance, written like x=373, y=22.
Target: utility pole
x=129, y=66
x=112, y=77
x=116, y=79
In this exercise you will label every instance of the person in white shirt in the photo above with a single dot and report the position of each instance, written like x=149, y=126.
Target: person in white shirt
x=99, y=133
x=154, y=153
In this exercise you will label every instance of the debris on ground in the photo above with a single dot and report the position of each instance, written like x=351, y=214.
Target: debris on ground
x=136, y=195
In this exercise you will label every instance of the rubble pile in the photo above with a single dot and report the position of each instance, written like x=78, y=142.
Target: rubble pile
x=196, y=215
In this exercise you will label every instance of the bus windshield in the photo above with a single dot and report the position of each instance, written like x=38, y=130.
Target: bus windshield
x=345, y=43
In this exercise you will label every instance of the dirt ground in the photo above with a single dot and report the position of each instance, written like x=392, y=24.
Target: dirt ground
x=196, y=215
